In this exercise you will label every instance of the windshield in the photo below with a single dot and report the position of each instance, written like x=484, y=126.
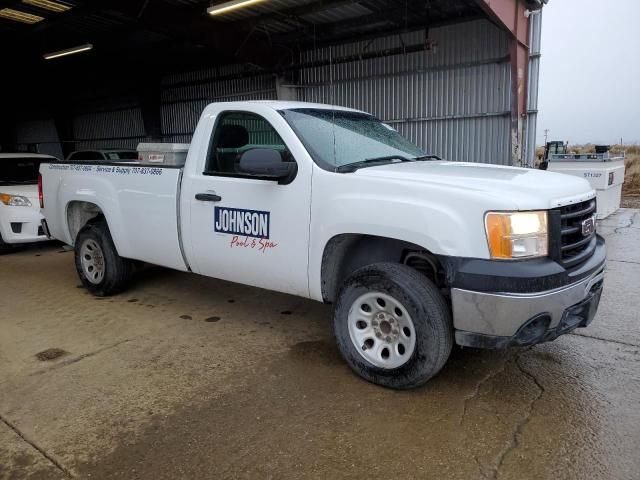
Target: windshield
x=22, y=171
x=358, y=137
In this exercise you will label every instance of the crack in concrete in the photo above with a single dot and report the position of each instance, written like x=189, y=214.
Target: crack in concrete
x=79, y=357
x=514, y=442
x=476, y=390
x=608, y=340
x=480, y=468
x=36, y=447
x=623, y=261
x=624, y=227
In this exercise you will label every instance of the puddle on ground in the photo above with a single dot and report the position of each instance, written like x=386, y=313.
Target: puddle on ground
x=50, y=354
x=212, y=319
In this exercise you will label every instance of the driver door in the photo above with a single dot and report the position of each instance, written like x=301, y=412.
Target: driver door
x=244, y=228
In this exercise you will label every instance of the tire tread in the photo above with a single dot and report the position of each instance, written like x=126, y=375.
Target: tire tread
x=440, y=324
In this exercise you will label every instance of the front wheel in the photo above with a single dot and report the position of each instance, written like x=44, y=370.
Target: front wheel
x=101, y=270
x=392, y=326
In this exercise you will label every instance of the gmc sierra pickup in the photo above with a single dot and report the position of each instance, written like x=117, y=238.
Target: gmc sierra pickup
x=331, y=204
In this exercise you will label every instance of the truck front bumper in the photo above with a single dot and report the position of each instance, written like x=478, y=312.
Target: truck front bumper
x=485, y=319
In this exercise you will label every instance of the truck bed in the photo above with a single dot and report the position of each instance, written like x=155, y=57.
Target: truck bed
x=140, y=203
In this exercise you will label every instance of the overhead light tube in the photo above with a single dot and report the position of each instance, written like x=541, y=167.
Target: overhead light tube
x=231, y=6
x=50, y=5
x=68, y=51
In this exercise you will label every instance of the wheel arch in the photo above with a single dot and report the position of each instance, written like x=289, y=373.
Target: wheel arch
x=345, y=253
x=78, y=214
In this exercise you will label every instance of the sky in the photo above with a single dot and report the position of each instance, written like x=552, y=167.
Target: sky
x=590, y=71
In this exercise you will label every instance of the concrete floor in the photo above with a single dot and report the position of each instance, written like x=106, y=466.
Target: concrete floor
x=188, y=377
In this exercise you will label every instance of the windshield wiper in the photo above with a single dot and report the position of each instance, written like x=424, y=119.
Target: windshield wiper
x=371, y=162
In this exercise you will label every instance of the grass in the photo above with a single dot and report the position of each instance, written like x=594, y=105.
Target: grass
x=631, y=185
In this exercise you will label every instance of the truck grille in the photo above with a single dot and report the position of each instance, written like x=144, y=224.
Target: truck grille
x=574, y=246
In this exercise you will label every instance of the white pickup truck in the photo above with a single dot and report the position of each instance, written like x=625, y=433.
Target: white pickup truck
x=331, y=204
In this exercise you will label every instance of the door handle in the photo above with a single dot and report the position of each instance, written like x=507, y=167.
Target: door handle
x=208, y=197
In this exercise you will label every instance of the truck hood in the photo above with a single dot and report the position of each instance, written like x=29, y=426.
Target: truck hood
x=526, y=189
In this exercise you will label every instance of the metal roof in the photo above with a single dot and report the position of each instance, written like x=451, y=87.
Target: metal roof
x=178, y=29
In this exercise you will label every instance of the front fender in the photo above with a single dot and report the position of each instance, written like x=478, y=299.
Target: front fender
x=444, y=220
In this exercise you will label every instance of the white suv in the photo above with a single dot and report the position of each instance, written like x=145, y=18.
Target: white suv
x=20, y=216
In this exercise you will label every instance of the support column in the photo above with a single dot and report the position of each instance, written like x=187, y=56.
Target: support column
x=510, y=15
x=63, y=121
x=284, y=89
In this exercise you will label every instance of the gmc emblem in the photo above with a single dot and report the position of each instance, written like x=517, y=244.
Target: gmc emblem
x=588, y=226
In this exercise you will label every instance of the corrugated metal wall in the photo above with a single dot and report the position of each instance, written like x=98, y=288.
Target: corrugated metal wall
x=453, y=100
x=119, y=127
x=185, y=95
x=38, y=136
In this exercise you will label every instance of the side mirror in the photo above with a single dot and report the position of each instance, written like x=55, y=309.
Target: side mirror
x=267, y=163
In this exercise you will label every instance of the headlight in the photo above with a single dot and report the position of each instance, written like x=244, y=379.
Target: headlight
x=14, y=200
x=517, y=234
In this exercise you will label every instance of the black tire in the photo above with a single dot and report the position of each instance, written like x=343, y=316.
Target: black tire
x=117, y=270
x=430, y=314
x=5, y=247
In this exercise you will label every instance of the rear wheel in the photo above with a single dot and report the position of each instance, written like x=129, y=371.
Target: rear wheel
x=101, y=270
x=393, y=326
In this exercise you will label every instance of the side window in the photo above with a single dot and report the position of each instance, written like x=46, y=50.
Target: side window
x=237, y=132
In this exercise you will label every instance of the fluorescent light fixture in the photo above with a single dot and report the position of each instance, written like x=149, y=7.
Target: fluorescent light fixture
x=18, y=16
x=68, y=51
x=56, y=7
x=227, y=7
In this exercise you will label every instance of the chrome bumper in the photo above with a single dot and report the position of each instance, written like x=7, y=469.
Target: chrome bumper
x=502, y=314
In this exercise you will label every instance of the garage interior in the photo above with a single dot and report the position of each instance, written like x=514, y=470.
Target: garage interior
x=459, y=78
x=185, y=376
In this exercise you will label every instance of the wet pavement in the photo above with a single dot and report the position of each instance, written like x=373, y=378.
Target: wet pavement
x=188, y=377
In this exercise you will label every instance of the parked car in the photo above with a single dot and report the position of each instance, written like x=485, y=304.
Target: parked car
x=106, y=155
x=331, y=204
x=19, y=206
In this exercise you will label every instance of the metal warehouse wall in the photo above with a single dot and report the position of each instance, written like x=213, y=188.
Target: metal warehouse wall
x=185, y=95
x=109, y=126
x=453, y=100
x=39, y=136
